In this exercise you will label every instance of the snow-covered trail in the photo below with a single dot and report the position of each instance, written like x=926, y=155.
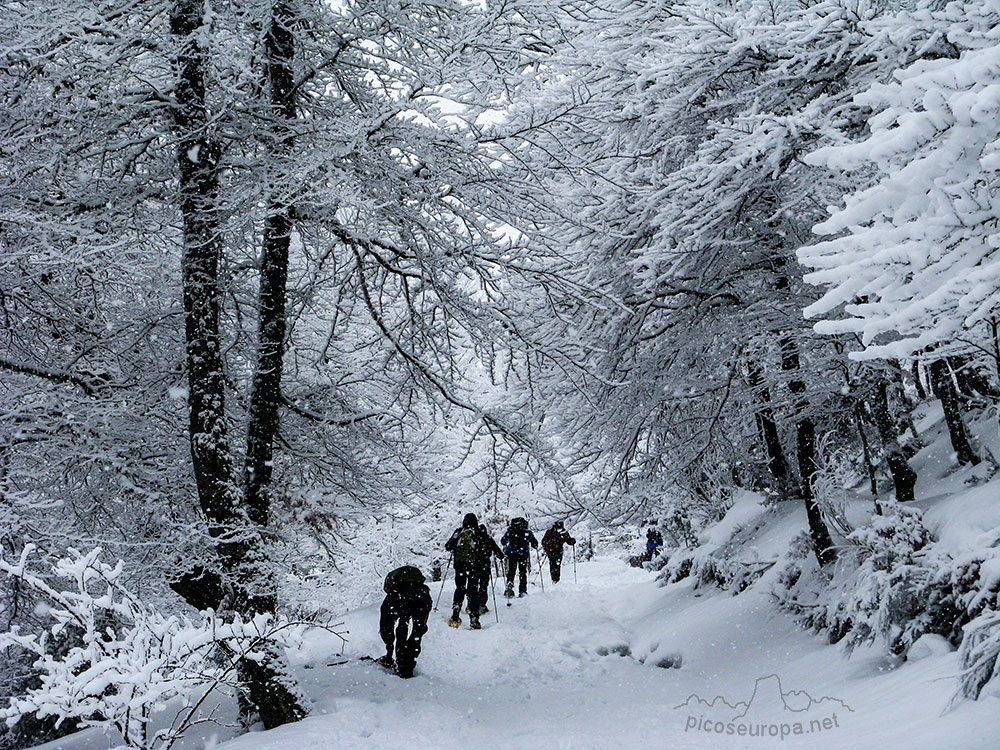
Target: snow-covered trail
x=575, y=667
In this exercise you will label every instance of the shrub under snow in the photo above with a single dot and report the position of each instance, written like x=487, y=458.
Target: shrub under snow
x=128, y=661
x=898, y=586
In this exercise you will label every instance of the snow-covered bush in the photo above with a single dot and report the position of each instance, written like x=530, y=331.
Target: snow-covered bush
x=898, y=586
x=980, y=655
x=836, y=470
x=677, y=527
x=127, y=661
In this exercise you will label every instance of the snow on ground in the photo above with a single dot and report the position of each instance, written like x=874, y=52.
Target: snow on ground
x=615, y=661
x=575, y=667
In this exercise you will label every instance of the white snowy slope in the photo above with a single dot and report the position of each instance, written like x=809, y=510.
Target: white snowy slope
x=616, y=661
x=575, y=667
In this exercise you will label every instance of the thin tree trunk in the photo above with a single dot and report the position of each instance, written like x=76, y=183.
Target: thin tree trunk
x=904, y=478
x=805, y=443
x=918, y=380
x=944, y=389
x=268, y=684
x=869, y=463
x=279, y=46
x=768, y=427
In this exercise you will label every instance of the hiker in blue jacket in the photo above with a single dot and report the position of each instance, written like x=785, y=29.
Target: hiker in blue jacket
x=516, y=541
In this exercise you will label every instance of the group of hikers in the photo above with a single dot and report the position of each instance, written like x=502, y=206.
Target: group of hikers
x=407, y=604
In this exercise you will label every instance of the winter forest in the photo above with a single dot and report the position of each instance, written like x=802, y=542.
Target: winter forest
x=696, y=302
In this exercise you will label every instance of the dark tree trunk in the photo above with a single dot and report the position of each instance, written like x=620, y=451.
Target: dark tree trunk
x=279, y=46
x=944, y=389
x=805, y=443
x=904, y=478
x=198, y=163
x=269, y=687
x=972, y=382
x=869, y=462
x=918, y=381
x=768, y=427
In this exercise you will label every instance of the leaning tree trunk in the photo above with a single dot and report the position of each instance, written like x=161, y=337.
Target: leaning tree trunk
x=768, y=427
x=904, y=478
x=805, y=443
x=268, y=685
x=944, y=389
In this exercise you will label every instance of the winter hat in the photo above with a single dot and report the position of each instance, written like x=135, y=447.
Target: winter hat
x=470, y=521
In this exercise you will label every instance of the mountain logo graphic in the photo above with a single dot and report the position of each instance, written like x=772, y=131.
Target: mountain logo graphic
x=768, y=702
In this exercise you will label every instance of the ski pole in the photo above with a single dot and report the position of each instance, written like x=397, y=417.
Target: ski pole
x=443, y=579
x=540, y=579
x=574, y=563
x=493, y=587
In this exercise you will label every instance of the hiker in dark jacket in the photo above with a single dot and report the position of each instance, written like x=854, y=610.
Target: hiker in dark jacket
x=552, y=543
x=516, y=541
x=403, y=620
x=654, y=543
x=464, y=545
x=486, y=550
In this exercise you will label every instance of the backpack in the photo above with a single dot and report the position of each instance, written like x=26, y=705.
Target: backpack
x=466, y=546
x=519, y=531
x=517, y=537
x=399, y=576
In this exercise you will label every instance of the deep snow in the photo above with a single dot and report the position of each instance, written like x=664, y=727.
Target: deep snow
x=616, y=661
x=575, y=667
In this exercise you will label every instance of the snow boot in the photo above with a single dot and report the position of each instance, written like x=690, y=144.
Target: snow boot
x=474, y=623
x=386, y=661
x=455, y=620
x=522, y=594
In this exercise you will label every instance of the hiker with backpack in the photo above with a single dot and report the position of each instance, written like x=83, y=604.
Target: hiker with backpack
x=516, y=541
x=486, y=550
x=403, y=620
x=464, y=545
x=654, y=543
x=552, y=543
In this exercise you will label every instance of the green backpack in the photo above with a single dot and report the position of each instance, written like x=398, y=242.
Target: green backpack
x=405, y=574
x=465, y=548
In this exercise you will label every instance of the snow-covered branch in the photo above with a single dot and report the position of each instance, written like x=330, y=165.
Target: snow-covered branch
x=127, y=662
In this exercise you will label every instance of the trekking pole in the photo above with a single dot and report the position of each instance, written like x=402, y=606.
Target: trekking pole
x=540, y=579
x=493, y=586
x=443, y=579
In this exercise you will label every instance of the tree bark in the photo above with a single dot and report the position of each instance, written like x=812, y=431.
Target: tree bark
x=198, y=163
x=944, y=389
x=269, y=687
x=768, y=427
x=918, y=381
x=904, y=478
x=972, y=382
x=805, y=443
x=869, y=463
x=262, y=427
